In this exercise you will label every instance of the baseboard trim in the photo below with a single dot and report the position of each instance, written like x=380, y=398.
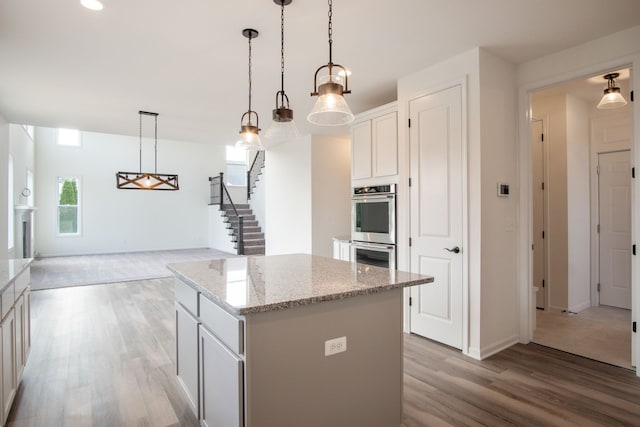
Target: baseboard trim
x=578, y=308
x=497, y=347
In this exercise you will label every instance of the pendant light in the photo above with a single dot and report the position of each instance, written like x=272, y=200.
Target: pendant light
x=283, y=128
x=147, y=180
x=612, y=97
x=249, y=133
x=331, y=109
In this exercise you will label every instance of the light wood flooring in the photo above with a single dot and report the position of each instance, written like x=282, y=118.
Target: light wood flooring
x=600, y=333
x=104, y=355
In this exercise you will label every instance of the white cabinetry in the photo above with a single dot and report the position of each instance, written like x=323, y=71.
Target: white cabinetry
x=187, y=354
x=15, y=331
x=341, y=249
x=209, y=367
x=8, y=328
x=222, y=383
x=374, y=146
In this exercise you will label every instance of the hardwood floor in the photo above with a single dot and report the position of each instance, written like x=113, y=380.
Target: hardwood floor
x=525, y=385
x=104, y=355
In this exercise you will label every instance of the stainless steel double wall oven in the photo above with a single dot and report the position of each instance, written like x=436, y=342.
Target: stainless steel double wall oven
x=373, y=225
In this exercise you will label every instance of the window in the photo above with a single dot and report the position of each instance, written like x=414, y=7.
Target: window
x=10, y=207
x=236, y=166
x=69, y=137
x=68, y=205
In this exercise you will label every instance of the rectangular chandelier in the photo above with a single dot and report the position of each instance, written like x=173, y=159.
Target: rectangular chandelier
x=147, y=180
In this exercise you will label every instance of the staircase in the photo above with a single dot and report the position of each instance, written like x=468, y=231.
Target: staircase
x=252, y=233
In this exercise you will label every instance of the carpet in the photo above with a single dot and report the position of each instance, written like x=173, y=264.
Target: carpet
x=59, y=272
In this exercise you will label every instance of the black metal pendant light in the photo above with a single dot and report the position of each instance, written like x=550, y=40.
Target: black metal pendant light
x=147, y=180
x=331, y=109
x=282, y=128
x=249, y=132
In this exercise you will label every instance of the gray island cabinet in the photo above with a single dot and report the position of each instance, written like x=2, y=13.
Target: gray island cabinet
x=291, y=340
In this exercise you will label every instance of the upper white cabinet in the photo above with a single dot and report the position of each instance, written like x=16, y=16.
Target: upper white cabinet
x=374, y=145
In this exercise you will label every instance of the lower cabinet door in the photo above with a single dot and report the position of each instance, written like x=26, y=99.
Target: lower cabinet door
x=8, y=331
x=187, y=354
x=27, y=325
x=221, y=383
x=18, y=310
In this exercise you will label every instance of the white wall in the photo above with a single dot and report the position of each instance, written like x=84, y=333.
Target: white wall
x=331, y=192
x=116, y=220
x=21, y=147
x=219, y=237
x=307, y=195
x=578, y=204
x=499, y=314
x=4, y=159
x=288, y=198
x=258, y=198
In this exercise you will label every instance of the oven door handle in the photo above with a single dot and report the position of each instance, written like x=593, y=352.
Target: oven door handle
x=371, y=246
x=360, y=198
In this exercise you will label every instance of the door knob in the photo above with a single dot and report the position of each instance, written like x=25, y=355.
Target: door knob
x=455, y=250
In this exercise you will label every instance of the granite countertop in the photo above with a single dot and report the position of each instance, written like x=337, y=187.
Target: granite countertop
x=258, y=284
x=11, y=268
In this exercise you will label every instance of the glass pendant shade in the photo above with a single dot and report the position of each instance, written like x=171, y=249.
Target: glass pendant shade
x=612, y=97
x=331, y=109
x=249, y=138
x=281, y=132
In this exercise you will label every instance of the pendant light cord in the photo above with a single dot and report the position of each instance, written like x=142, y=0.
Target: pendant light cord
x=282, y=49
x=140, y=145
x=156, y=137
x=330, y=31
x=250, y=76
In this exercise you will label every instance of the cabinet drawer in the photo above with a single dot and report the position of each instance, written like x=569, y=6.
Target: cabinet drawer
x=8, y=298
x=187, y=296
x=22, y=281
x=228, y=329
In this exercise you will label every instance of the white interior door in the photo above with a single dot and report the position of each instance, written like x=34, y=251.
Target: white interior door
x=436, y=214
x=537, y=183
x=614, y=200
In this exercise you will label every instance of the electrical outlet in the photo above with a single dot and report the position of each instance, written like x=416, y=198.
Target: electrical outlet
x=335, y=346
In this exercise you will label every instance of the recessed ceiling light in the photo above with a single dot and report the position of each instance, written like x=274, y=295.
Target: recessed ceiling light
x=92, y=4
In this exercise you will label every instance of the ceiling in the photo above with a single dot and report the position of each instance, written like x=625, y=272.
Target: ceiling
x=62, y=65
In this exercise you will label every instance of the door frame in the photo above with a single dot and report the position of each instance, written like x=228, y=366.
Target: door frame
x=526, y=306
x=544, y=118
x=462, y=82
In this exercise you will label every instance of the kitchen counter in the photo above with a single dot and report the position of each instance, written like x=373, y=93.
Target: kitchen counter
x=258, y=284
x=12, y=268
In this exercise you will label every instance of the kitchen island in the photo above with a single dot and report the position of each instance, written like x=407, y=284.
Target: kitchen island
x=291, y=340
